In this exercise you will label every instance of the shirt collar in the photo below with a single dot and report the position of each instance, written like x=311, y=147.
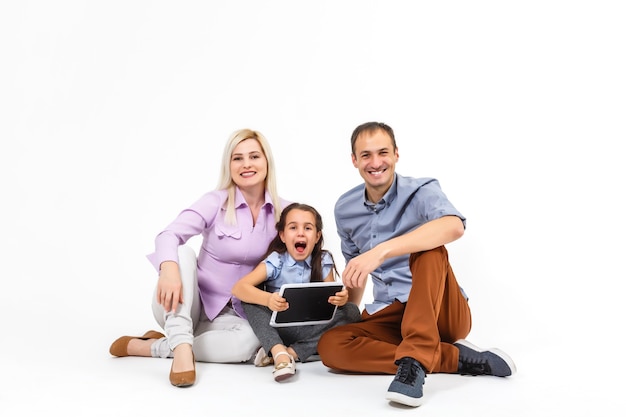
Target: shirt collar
x=241, y=201
x=389, y=196
x=291, y=262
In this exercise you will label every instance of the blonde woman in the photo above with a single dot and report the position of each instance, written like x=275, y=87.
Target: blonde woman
x=192, y=300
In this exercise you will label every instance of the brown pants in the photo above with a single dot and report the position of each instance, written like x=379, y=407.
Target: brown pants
x=424, y=328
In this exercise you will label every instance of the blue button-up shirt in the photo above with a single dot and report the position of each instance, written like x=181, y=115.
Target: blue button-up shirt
x=361, y=225
x=283, y=269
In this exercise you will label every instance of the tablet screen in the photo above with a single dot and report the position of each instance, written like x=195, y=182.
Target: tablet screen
x=308, y=304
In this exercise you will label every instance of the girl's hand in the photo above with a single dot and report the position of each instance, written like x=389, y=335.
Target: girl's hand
x=277, y=303
x=340, y=298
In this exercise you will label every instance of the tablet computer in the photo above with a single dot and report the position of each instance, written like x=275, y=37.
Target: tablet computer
x=308, y=304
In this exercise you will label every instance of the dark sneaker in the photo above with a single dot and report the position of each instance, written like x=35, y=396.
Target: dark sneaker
x=407, y=387
x=475, y=361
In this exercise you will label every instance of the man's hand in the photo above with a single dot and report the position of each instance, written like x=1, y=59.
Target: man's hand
x=358, y=268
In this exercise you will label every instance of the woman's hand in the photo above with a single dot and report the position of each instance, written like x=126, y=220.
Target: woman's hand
x=170, y=286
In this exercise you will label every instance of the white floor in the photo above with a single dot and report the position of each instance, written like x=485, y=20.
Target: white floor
x=81, y=379
x=95, y=384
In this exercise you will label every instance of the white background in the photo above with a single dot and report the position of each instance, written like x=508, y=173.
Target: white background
x=113, y=116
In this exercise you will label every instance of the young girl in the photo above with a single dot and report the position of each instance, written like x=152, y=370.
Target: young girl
x=295, y=255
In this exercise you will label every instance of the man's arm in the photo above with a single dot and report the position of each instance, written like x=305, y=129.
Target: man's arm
x=430, y=235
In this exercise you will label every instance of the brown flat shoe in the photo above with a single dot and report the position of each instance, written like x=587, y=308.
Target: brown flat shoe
x=120, y=346
x=184, y=379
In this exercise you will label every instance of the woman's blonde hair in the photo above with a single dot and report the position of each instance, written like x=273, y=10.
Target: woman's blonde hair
x=226, y=180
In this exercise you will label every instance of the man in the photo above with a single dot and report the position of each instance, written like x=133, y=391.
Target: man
x=394, y=229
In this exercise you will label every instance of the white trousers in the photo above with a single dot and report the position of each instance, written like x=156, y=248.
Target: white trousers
x=228, y=338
